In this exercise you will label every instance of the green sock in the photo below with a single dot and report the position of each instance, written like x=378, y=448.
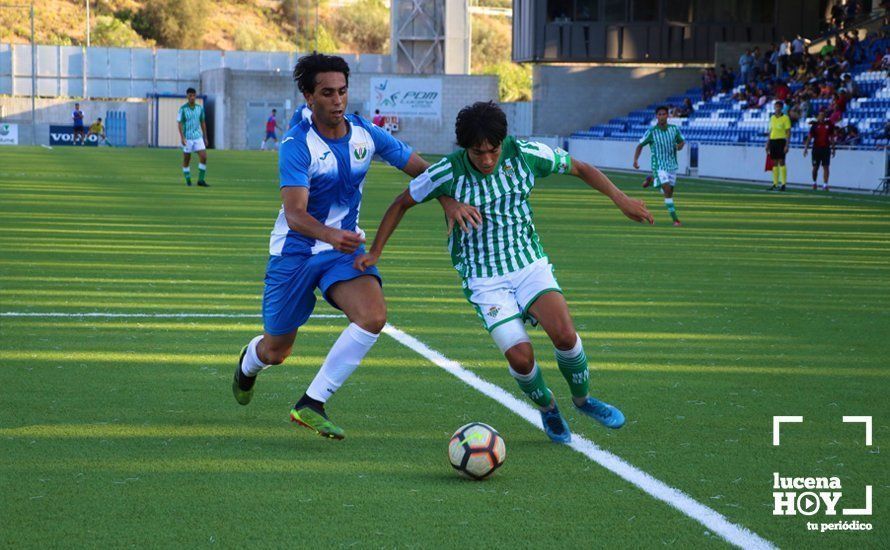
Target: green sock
x=188, y=175
x=573, y=366
x=669, y=203
x=775, y=175
x=534, y=387
x=202, y=169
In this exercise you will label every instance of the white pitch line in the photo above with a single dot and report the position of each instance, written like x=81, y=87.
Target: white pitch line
x=713, y=520
x=155, y=315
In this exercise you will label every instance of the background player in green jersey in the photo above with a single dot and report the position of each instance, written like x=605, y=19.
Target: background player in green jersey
x=192, y=129
x=506, y=275
x=665, y=140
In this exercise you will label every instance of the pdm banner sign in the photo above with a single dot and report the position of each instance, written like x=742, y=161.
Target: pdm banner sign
x=410, y=97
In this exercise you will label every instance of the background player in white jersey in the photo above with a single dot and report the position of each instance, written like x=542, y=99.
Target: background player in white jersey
x=303, y=112
x=506, y=275
x=322, y=163
x=192, y=129
x=664, y=140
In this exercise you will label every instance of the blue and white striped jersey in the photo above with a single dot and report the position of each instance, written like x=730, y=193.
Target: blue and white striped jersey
x=334, y=172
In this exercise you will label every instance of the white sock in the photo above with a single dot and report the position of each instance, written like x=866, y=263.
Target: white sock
x=251, y=364
x=524, y=377
x=263, y=145
x=571, y=353
x=344, y=357
x=669, y=202
x=187, y=171
x=202, y=166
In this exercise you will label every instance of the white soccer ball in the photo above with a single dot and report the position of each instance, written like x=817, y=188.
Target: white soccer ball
x=476, y=450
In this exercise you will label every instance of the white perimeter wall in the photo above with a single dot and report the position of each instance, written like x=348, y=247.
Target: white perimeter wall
x=617, y=154
x=849, y=169
x=852, y=169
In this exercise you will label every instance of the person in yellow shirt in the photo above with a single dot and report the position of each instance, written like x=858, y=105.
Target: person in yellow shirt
x=97, y=129
x=777, y=146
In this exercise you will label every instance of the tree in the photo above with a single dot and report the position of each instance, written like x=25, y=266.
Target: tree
x=173, y=23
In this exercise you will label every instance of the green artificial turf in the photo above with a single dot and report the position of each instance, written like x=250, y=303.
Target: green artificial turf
x=123, y=432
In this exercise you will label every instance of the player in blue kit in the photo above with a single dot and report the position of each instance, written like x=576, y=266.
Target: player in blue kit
x=322, y=166
x=79, y=132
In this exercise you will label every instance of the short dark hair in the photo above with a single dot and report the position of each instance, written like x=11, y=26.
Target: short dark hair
x=661, y=108
x=309, y=66
x=191, y=91
x=99, y=119
x=274, y=110
x=780, y=103
x=480, y=122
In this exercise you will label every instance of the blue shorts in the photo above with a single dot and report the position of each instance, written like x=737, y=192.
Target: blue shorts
x=289, y=296
x=271, y=135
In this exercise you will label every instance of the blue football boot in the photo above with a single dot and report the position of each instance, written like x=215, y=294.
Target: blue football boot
x=605, y=414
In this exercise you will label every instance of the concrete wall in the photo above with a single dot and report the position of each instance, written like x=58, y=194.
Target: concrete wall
x=568, y=98
x=58, y=111
x=850, y=169
x=73, y=71
x=230, y=92
x=604, y=153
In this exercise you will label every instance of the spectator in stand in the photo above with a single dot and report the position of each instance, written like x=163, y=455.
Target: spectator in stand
x=757, y=66
x=727, y=79
x=852, y=137
x=781, y=91
x=746, y=66
x=835, y=114
x=828, y=49
x=683, y=111
x=850, y=86
x=783, y=57
x=771, y=60
x=885, y=60
x=798, y=46
x=837, y=17
x=708, y=83
x=378, y=119
x=852, y=9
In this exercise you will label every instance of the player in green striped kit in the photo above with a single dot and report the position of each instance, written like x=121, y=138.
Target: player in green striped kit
x=506, y=274
x=192, y=129
x=665, y=140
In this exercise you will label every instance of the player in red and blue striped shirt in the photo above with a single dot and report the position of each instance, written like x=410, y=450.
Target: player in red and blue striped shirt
x=271, y=126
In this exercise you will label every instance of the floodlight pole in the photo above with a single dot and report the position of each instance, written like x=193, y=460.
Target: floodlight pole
x=88, y=23
x=33, y=81
x=316, y=26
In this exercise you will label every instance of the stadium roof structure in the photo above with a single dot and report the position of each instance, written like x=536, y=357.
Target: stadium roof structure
x=652, y=31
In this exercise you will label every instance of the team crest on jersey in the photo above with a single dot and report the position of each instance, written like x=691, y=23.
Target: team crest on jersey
x=360, y=151
x=508, y=170
x=493, y=311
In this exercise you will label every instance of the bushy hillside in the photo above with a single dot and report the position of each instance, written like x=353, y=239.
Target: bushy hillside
x=263, y=25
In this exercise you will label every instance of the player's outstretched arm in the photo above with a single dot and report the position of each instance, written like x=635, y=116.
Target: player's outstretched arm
x=295, y=200
x=632, y=208
x=388, y=225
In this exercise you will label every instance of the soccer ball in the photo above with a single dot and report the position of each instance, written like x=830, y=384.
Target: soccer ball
x=476, y=450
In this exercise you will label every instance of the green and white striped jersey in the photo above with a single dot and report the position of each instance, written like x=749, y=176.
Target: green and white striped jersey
x=191, y=118
x=664, y=146
x=506, y=241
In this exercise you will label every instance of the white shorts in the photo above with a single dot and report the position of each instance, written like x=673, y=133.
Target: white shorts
x=193, y=145
x=502, y=298
x=662, y=177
